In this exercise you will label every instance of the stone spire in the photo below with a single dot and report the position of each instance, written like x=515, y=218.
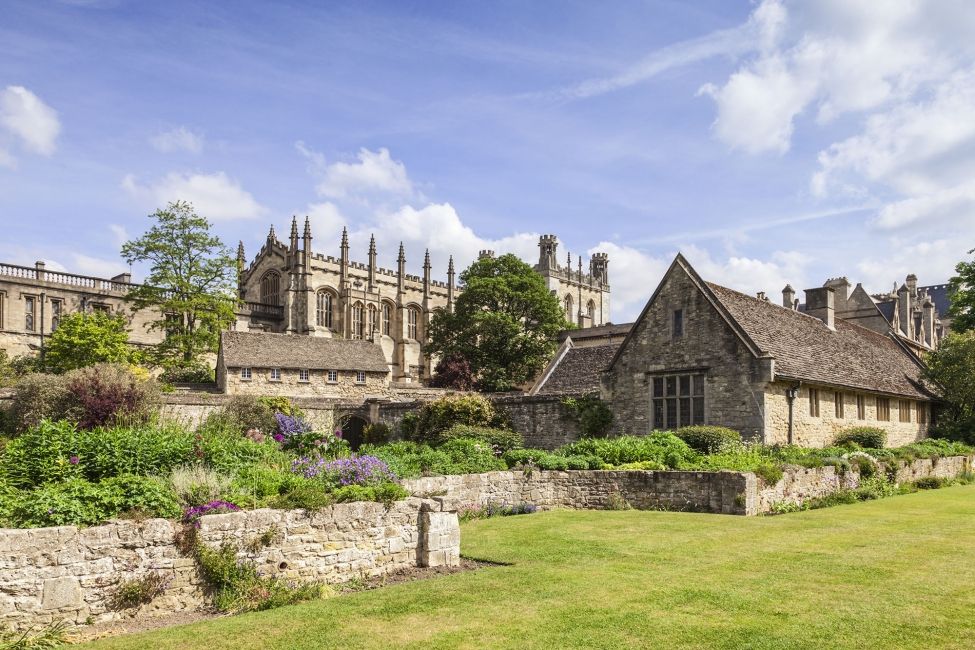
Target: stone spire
x=241, y=259
x=344, y=259
x=372, y=262
x=426, y=274
x=450, y=284
x=271, y=237
x=307, y=237
x=401, y=270
x=294, y=234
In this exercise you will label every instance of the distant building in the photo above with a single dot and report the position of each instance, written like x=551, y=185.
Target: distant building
x=703, y=354
x=255, y=363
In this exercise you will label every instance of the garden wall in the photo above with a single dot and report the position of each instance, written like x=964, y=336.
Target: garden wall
x=71, y=574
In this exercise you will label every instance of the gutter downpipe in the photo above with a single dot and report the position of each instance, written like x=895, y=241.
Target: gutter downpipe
x=791, y=394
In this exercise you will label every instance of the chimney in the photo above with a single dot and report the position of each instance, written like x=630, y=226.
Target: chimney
x=820, y=302
x=927, y=323
x=842, y=288
x=911, y=284
x=761, y=296
x=905, y=311
x=39, y=265
x=788, y=297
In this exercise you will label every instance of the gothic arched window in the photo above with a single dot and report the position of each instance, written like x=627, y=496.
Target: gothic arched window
x=271, y=288
x=358, y=321
x=591, y=311
x=387, y=318
x=567, y=303
x=324, y=309
x=413, y=324
x=373, y=323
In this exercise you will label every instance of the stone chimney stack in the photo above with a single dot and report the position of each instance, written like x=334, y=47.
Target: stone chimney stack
x=927, y=323
x=905, y=311
x=40, y=266
x=789, y=297
x=820, y=302
x=911, y=284
x=842, y=288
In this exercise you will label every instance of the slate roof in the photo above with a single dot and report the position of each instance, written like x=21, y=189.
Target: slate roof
x=265, y=350
x=578, y=370
x=805, y=349
x=939, y=296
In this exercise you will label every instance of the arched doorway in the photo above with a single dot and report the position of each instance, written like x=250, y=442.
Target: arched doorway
x=353, y=430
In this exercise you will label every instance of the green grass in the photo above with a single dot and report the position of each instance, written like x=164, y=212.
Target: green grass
x=895, y=573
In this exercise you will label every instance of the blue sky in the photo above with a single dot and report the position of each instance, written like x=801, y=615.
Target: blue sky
x=771, y=141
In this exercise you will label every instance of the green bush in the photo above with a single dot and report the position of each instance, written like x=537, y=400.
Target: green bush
x=706, y=439
x=519, y=458
x=144, y=495
x=500, y=439
x=306, y=494
x=470, y=456
x=107, y=394
x=661, y=447
x=769, y=473
x=931, y=483
x=441, y=414
x=593, y=415
x=377, y=434
x=240, y=413
x=386, y=493
x=866, y=437
x=38, y=397
x=82, y=503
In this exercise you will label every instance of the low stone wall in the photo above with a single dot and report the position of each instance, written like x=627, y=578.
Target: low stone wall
x=71, y=574
x=718, y=492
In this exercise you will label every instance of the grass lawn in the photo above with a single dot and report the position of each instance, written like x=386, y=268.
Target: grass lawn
x=896, y=573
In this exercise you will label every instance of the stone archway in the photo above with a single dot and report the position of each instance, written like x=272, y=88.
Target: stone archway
x=353, y=430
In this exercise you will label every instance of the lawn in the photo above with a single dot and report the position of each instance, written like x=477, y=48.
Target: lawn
x=895, y=573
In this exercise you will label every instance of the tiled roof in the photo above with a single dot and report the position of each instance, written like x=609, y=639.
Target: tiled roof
x=599, y=331
x=578, y=370
x=264, y=350
x=804, y=348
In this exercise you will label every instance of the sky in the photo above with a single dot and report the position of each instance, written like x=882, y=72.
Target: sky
x=771, y=142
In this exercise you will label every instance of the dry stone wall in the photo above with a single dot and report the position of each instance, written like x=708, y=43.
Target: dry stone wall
x=71, y=574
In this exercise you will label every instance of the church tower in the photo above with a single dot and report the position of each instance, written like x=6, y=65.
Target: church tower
x=584, y=296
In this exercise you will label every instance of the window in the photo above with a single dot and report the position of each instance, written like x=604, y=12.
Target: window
x=567, y=304
x=275, y=374
x=360, y=376
x=838, y=405
x=904, y=410
x=331, y=376
x=56, y=306
x=883, y=409
x=30, y=305
x=101, y=307
x=373, y=323
x=814, y=402
x=245, y=374
x=591, y=312
x=678, y=400
x=387, y=318
x=413, y=324
x=303, y=375
x=358, y=321
x=271, y=288
x=861, y=407
x=678, y=323
x=323, y=309
x=922, y=413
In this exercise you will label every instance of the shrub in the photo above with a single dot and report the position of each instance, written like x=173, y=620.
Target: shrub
x=930, y=483
x=866, y=437
x=407, y=425
x=73, y=501
x=195, y=485
x=108, y=393
x=646, y=465
x=309, y=495
x=769, y=473
x=139, y=591
x=662, y=447
x=593, y=415
x=500, y=440
x=143, y=494
x=520, y=458
x=453, y=372
x=385, y=493
x=376, y=434
x=441, y=414
x=241, y=413
x=470, y=456
x=38, y=397
x=708, y=439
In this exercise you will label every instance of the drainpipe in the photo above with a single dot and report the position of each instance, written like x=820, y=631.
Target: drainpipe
x=791, y=394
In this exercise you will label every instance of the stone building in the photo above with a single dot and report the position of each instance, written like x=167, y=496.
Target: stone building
x=703, y=354
x=307, y=293
x=33, y=300
x=260, y=363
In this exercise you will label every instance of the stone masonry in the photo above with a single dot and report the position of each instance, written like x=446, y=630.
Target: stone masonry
x=71, y=574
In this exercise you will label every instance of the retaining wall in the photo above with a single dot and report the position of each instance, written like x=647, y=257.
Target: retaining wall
x=71, y=574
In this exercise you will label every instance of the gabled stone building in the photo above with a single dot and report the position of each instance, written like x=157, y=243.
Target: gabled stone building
x=701, y=353
x=258, y=363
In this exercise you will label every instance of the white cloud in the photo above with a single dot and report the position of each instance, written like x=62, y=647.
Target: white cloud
x=29, y=121
x=932, y=261
x=214, y=196
x=88, y=265
x=178, y=139
x=119, y=233
x=374, y=173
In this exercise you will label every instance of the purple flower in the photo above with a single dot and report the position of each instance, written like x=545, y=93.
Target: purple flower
x=278, y=437
x=192, y=515
x=73, y=460
x=338, y=433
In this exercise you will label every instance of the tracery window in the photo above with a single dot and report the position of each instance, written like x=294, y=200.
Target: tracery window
x=271, y=288
x=324, y=309
x=358, y=321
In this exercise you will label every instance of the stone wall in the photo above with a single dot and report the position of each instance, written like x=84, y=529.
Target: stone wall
x=718, y=492
x=66, y=573
x=191, y=409
x=345, y=387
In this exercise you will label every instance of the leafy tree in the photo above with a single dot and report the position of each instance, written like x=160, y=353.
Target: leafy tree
x=504, y=323
x=453, y=372
x=191, y=284
x=84, y=339
x=962, y=292
x=952, y=366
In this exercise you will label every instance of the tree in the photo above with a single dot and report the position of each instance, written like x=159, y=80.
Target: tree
x=951, y=367
x=453, y=372
x=191, y=284
x=83, y=339
x=962, y=292
x=504, y=323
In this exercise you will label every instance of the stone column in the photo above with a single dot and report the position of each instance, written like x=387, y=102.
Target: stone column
x=439, y=530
